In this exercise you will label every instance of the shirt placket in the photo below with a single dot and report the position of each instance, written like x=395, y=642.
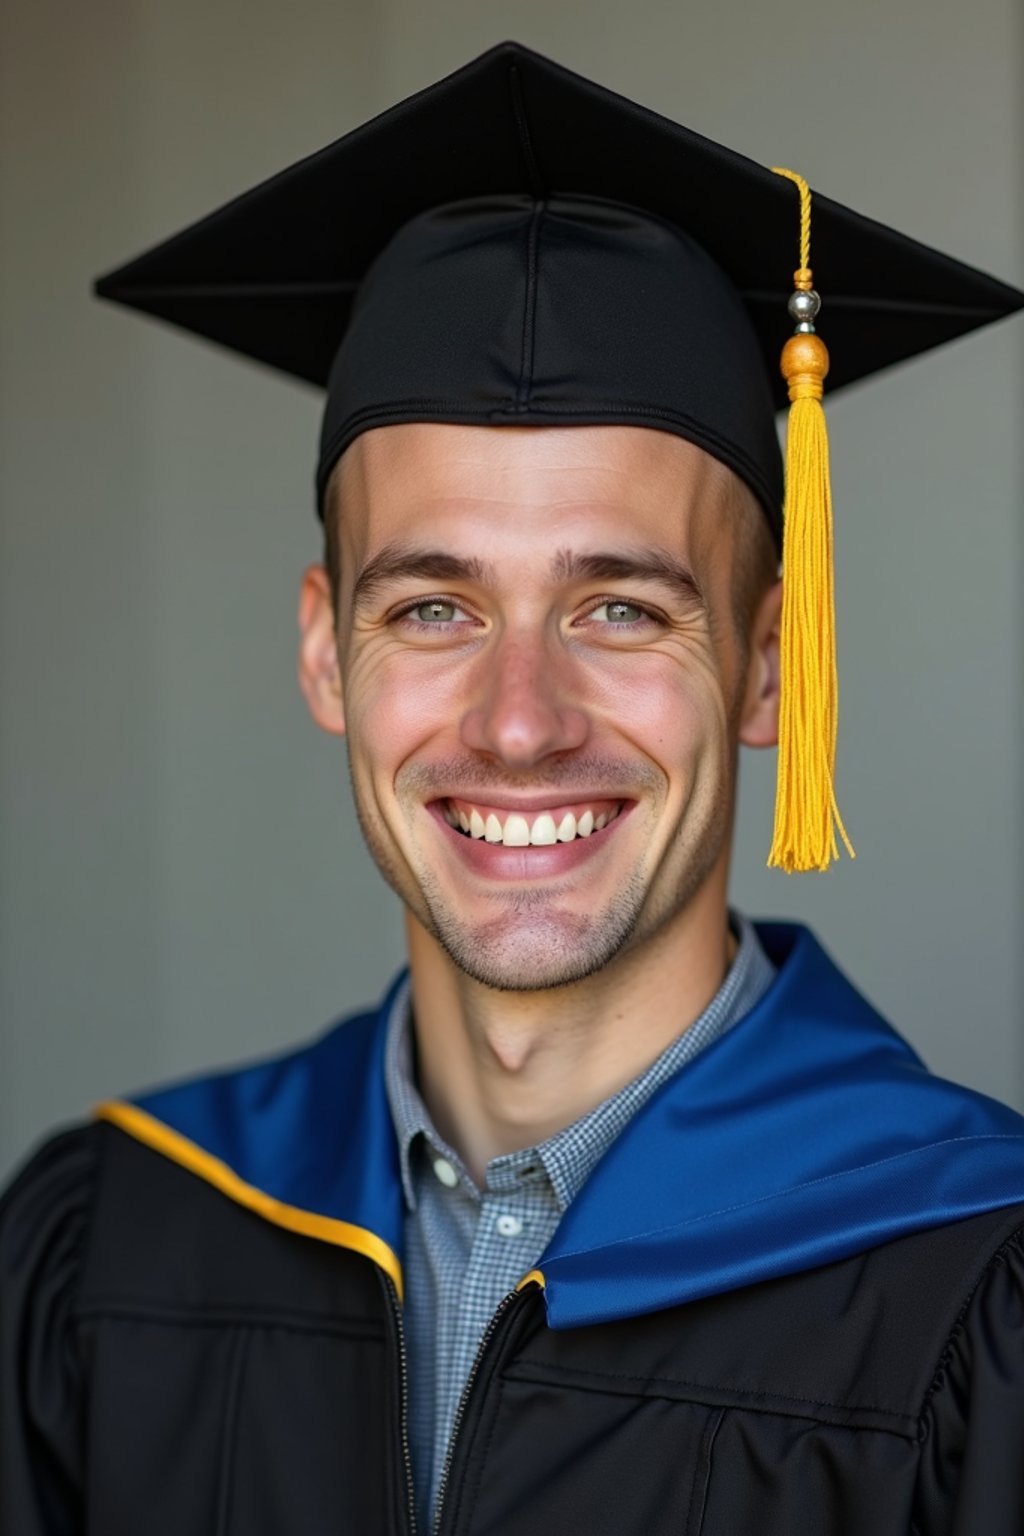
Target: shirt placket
x=515, y=1216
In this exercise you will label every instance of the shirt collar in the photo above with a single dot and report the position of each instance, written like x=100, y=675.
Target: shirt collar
x=569, y=1156
x=408, y=1110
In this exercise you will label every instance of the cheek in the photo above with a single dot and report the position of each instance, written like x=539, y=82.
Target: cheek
x=671, y=705
x=395, y=701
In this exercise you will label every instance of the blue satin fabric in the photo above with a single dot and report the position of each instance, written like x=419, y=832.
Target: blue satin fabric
x=808, y=1133
x=311, y=1128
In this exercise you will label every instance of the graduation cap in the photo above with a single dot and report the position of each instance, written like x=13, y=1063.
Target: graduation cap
x=518, y=245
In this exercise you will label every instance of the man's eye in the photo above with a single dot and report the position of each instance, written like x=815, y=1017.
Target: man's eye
x=618, y=613
x=435, y=612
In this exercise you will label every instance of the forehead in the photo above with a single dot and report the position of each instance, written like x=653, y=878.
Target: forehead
x=505, y=491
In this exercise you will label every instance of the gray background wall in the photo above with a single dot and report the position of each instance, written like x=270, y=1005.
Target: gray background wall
x=182, y=879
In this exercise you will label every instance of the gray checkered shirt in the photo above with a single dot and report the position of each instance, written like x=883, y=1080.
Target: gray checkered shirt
x=466, y=1248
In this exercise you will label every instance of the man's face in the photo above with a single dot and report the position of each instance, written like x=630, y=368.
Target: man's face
x=542, y=678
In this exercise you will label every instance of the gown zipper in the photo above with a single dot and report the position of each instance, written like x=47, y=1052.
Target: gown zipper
x=495, y=1323
x=395, y=1311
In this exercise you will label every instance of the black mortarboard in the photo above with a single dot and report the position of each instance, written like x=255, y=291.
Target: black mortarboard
x=516, y=244
x=572, y=285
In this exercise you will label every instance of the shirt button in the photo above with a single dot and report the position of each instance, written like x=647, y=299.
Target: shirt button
x=509, y=1226
x=445, y=1172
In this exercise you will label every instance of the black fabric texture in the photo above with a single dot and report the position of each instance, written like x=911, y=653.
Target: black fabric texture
x=472, y=329
x=513, y=310
x=44, y=1231
x=169, y=1362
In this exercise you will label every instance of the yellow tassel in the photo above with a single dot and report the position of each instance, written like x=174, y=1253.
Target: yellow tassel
x=807, y=817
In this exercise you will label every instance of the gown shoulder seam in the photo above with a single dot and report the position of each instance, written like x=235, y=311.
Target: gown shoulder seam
x=91, y=1205
x=992, y=1262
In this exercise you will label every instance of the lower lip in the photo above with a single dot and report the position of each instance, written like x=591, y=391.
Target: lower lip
x=534, y=862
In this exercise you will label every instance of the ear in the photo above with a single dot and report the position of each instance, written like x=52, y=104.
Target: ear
x=319, y=668
x=759, y=721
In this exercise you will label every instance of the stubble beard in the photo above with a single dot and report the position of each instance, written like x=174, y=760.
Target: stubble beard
x=532, y=946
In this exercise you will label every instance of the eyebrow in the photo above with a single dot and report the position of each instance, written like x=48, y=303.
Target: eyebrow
x=613, y=565
x=398, y=562
x=402, y=562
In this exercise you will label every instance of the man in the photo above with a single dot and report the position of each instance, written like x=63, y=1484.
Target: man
x=619, y=1214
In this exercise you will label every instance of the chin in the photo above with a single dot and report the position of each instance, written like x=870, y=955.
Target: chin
x=524, y=951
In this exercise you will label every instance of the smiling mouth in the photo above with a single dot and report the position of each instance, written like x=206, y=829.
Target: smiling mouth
x=516, y=829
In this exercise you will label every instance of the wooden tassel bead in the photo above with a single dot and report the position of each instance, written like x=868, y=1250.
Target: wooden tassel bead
x=804, y=366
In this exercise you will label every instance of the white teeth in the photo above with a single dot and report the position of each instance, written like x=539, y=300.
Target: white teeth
x=517, y=832
x=543, y=830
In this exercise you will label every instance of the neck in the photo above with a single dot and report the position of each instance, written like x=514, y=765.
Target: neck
x=500, y=1071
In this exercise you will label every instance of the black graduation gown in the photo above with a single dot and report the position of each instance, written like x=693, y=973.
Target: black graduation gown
x=170, y=1363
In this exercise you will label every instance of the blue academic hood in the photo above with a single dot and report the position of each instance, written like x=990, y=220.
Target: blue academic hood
x=809, y=1132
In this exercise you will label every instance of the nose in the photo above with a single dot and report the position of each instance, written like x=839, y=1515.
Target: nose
x=522, y=709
